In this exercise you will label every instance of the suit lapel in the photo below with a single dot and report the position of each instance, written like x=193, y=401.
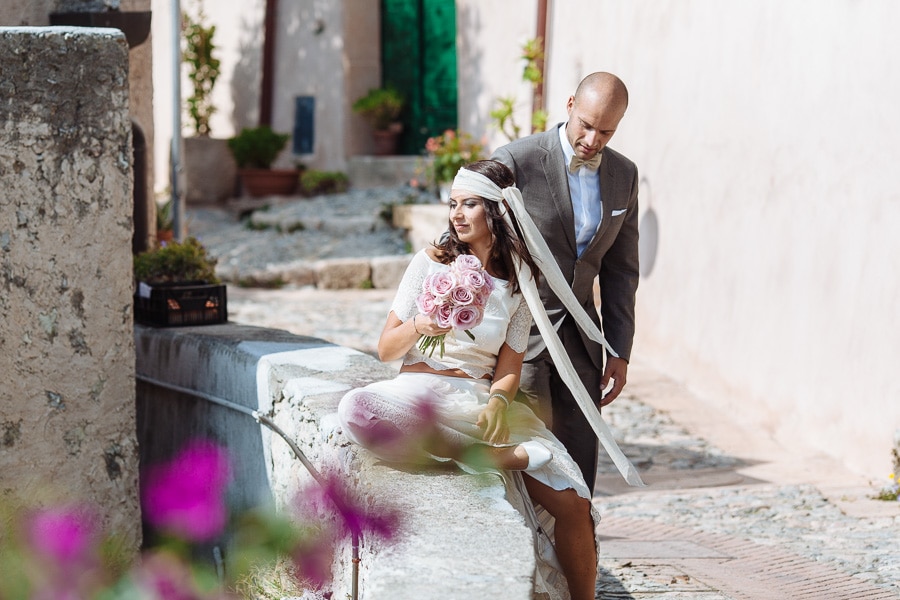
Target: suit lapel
x=555, y=172
x=607, y=183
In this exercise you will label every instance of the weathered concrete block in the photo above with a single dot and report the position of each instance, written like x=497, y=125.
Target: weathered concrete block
x=451, y=520
x=66, y=341
x=342, y=273
x=425, y=222
x=387, y=271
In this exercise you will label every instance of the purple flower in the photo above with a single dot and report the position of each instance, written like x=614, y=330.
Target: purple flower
x=186, y=495
x=66, y=536
x=352, y=517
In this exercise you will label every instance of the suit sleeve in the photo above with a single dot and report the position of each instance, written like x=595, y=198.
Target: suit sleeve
x=618, y=278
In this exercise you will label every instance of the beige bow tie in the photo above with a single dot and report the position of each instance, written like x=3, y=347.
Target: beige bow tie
x=593, y=164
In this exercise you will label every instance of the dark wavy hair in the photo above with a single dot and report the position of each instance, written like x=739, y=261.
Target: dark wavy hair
x=507, y=241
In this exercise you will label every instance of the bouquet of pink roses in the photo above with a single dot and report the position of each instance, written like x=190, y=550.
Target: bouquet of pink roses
x=454, y=298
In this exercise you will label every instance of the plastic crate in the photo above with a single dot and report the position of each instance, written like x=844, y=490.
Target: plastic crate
x=172, y=305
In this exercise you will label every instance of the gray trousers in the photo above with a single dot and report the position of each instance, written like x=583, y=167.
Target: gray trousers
x=548, y=395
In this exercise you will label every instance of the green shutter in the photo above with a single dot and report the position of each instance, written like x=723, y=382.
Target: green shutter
x=418, y=57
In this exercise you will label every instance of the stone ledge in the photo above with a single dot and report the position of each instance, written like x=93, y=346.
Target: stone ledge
x=460, y=538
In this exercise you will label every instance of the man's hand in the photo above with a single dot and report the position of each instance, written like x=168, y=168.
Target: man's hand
x=617, y=370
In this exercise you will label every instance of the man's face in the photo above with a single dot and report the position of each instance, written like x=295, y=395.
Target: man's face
x=592, y=123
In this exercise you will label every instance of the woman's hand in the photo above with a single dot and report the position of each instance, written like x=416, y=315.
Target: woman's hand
x=493, y=420
x=424, y=325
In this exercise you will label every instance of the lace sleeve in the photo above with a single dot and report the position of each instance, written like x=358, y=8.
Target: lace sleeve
x=404, y=305
x=519, y=327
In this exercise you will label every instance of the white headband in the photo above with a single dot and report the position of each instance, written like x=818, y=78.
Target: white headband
x=479, y=185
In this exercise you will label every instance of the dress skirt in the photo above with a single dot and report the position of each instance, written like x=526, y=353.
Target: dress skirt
x=396, y=419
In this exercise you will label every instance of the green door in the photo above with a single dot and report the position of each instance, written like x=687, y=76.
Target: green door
x=418, y=57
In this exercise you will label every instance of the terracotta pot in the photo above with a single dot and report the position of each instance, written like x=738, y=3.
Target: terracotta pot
x=386, y=140
x=269, y=182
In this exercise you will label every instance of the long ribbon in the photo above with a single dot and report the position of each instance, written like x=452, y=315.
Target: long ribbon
x=484, y=187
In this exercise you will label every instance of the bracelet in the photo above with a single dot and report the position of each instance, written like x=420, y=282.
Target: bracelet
x=414, y=325
x=501, y=396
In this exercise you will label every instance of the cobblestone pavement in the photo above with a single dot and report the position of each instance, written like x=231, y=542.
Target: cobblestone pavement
x=695, y=489
x=716, y=522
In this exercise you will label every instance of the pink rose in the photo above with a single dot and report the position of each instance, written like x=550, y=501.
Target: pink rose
x=462, y=296
x=425, y=303
x=474, y=280
x=440, y=284
x=467, y=262
x=444, y=315
x=466, y=317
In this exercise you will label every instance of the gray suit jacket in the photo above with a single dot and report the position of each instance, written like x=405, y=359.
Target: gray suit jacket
x=538, y=163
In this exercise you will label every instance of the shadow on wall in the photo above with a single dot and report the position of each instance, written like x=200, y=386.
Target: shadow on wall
x=648, y=229
x=246, y=78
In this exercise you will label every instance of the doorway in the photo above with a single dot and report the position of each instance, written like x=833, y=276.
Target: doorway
x=418, y=56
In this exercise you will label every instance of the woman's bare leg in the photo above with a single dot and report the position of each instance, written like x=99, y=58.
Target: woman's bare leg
x=574, y=533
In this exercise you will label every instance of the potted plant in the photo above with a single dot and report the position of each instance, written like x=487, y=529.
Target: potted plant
x=176, y=284
x=254, y=150
x=209, y=168
x=448, y=152
x=381, y=107
x=164, y=222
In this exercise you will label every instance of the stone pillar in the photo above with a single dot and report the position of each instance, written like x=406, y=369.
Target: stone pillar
x=67, y=415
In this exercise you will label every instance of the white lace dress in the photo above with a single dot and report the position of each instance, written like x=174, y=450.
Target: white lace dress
x=394, y=418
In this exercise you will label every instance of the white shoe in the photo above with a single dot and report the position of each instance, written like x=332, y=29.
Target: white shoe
x=538, y=455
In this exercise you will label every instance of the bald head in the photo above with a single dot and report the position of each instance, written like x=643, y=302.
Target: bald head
x=594, y=111
x=605, y=88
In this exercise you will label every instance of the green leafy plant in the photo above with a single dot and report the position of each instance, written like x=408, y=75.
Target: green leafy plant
x=449, y=152
x=532, y=73
x=176, y=262
x=380, y=107
x=314, y=182
x=257, y=147
x=891, y=492
x=164, y=217
x=203, y=67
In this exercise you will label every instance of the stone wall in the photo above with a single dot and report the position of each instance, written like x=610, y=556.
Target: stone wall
x=449, y=520
x=67, y=428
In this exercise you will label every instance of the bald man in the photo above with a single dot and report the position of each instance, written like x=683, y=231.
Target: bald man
x=583, y=197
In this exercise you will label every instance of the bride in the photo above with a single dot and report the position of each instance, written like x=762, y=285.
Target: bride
x=458, y=405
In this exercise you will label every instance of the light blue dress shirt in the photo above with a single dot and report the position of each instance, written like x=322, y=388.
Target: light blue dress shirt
x=584, y=189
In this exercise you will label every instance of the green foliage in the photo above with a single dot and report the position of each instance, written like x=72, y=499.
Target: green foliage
x=164, y=216
x=313, y=182
x=203, y=67
x=451, y=151
x=257, y=147
x=380, y=107
x=504, y=120
x=176, y=263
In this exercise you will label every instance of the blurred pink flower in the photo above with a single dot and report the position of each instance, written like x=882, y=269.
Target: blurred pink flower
x=66, y=536
x=186, y=496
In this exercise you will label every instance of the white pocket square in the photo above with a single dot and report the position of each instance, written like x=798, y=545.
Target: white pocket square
x=616, y=213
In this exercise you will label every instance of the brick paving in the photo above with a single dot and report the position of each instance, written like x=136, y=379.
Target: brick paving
x=652, y=560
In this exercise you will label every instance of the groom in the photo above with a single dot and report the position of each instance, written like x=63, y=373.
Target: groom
x=583, y=197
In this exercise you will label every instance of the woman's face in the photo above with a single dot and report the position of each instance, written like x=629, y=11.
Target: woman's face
x=467, y=217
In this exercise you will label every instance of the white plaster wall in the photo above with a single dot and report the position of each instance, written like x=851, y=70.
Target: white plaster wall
x=328, y=50
x=489, y=65
x=766, y=133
